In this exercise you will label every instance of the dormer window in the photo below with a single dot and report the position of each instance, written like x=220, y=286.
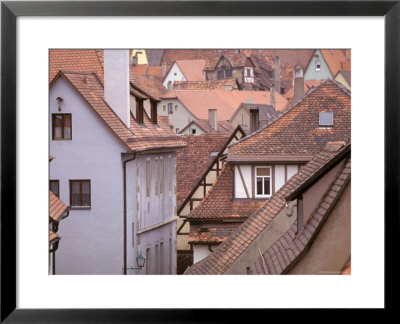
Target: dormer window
x=248, y=75
x=325, y=119
x=317, y=65
x=139, y=111
x=220, y=75
x=263, y=182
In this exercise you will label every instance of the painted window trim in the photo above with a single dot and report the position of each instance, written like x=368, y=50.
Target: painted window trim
x=255, y=181
x=317, y=65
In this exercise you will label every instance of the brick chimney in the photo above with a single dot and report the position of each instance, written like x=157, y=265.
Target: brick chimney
x=277, y=73
x=212, y=118
x=116, y=83
x=298, y=83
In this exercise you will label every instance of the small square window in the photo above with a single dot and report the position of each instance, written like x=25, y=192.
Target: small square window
x=325, y=119
x=194, y=131
x=62, y=127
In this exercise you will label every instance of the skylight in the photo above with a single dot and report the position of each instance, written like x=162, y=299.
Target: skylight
x=325, y=119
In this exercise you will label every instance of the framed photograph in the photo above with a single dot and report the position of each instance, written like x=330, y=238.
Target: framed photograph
x=31, y=29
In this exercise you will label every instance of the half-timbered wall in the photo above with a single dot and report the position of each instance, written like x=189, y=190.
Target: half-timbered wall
x=245, y=178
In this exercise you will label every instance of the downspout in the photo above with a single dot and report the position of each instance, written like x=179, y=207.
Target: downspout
x=124, y=168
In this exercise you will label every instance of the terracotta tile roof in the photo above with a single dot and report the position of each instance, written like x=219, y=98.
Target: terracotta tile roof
x=296, y=135
x=211, y=233
x=193, y=70
x=218, y=203
x=289, y=57
x=226, y=102
x=145, y=70
x=193, y=160
x=137, y=138
x=334, y=59
x=223, y=126
x=56, y=207
x=229, y=251
x=287, y=250
x=77, y=60
x=308, y=85
x=172, y=55
x=205, y=85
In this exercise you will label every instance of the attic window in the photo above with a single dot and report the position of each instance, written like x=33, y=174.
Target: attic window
x=317, y=65
x=325, y=119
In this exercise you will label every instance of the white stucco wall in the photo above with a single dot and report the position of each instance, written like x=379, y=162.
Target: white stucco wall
x=200, y=251
x=279, y=176
x=91, y=239
x=291, y=170
x=179, y=118
x=174, y=74
x=240, y=191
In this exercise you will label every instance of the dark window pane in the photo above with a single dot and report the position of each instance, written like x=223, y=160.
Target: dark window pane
x=228, y=73
x=220, y=75
x=54, y=188
x=259, y=186
x=267, y=190
x=85, y=193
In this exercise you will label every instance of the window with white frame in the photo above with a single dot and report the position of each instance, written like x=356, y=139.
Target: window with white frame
x=317, y=65
x=263, y=181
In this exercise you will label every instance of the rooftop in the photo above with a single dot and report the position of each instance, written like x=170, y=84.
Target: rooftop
x=296, y=134
x=228, y=252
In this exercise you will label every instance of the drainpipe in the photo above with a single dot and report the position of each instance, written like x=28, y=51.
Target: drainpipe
x=124, y=168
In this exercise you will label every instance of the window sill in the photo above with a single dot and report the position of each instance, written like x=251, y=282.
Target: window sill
x=62, y=139
x=80, y=207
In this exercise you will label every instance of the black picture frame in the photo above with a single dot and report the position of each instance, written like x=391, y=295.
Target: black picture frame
x=11, y=10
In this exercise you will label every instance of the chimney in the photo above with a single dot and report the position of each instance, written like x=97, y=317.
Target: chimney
x=272, y=96
x=298, y=83
x=116, y=83
x=164, y=69
x=277, y=73
x=212, y=118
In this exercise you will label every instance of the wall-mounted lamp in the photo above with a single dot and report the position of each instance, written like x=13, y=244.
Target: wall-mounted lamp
x=140, y=260
x=59, y=99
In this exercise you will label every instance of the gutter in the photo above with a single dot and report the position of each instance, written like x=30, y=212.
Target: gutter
x=124, y=213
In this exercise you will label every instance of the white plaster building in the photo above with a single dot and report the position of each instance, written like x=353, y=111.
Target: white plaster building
x=184, y=70
x=116, y=170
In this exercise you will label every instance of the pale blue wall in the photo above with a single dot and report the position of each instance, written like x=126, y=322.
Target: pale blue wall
x=323, y=74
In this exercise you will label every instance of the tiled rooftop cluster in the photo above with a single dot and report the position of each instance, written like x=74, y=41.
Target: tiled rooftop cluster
x=229, y=251
x=296, y=134
x=283, y=254
x=194, y=159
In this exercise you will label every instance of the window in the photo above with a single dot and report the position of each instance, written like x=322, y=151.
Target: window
x=170, y=110
x=161, y=257
x=148, y=260
x=228, y=73
x=176, y=107
x=282, y=90
x=148, y=178
x=194, y=131
x=220, y=75
x=263, y=181
x=177, y=130
x=55, y=187
x=164, y=108
x=317, y=65
x=80, y=193
x=170, y=173
x=325, y=119
x=157, y=260
x=161, y=175
x=62, y=127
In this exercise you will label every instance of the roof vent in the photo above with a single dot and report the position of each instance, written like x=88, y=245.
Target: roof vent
x=325, y=119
